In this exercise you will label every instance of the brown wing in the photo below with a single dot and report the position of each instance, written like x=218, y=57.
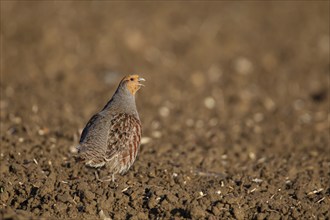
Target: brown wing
x=123, y=142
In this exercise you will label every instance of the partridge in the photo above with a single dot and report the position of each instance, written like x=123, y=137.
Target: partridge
x=112, y=137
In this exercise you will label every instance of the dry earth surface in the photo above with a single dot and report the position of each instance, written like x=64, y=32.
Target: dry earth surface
x=235, y=111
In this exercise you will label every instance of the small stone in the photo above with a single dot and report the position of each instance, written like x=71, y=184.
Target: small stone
x=35, y=109
x=261, y=216
x=209, y=102
x=156, y=134
x=238, y=213
x=258, y=117
x=142, y=215
x=64, y=198
x=197, y=212
x=73, y=149
x=256, y=180
x=197, y=79
x=243, y=66
x=171, y=198
x=257, y=129
x=164, y=111
x=189, y=122
x=200, y=124
x=215, y=211
x=213, y=122
x=43, y=131
x=269, y=104
x=103, y=216
x=298, y=104
x=274, y=215
x=89, y=195
x=252, y=155
x=306, y=118
x=214, y=73
x=145, y=140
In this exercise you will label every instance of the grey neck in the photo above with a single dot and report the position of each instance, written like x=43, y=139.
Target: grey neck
x=122, y=101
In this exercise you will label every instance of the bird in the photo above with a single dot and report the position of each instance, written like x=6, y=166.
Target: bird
x=112, y=136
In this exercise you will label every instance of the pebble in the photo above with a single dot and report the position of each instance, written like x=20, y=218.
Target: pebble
x=213, y=122
x=189, y=122
x=73, y=149
x=256, y=180
x=197, y=79
x=152, y=202
x=103, y=216
x=214, y=73
x=43, y=131
x=156, y=134
x=257, y=129
x=298, y=104
x=164, y=111
x=15, y=119
x=269, y=104
x=200, y=124
x=243, y=66
x=320, y=116
x=209, y=102
x=145, y=140
x=252, y=156
x=64, y=197
x=89, y=195
x=142, y=215
x=155, y=124
x=238, y=213
x=35, y=108
x=306, y=118
x=261, y=216
x=215, y=211
x=197, y=212
x=258, y=117
x=249, y=123
x=172, y=198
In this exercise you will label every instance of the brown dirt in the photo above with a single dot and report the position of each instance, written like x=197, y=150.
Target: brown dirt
x=235, y=110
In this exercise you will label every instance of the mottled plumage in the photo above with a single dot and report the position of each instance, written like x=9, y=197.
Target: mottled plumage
x=112, y=137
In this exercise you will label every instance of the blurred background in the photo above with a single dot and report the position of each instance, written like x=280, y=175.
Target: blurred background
x=228, y=83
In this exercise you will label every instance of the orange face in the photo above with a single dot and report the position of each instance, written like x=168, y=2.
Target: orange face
x=133, y=83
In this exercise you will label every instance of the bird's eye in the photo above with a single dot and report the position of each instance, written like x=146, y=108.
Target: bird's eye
x=132, y=79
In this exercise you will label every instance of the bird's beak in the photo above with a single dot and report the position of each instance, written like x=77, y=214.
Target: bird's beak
x=140, y=79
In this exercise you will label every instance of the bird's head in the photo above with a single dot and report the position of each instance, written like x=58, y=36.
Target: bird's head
x=132, y=83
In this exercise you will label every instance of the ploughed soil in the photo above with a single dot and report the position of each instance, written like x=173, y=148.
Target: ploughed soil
x=235, y=110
